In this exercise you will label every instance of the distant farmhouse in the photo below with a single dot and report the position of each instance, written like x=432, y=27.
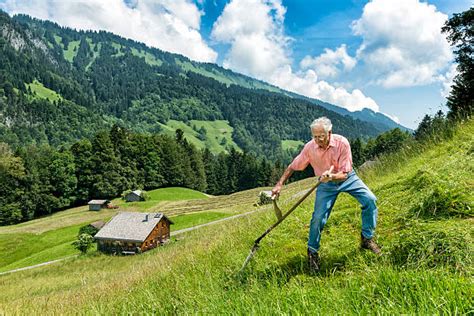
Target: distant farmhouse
x=97, y=205
x=134, y=196
x=130, y=233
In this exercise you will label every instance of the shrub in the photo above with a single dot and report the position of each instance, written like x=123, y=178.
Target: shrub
x=88, y=229
x=83, y=242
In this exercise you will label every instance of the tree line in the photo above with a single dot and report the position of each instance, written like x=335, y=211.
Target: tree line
x=39, y=180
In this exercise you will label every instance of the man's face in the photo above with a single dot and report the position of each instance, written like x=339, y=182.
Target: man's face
x=320, y=136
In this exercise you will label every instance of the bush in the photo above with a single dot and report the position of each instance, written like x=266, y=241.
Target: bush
x=83, y=242
x=145, y=196
x=88, y=229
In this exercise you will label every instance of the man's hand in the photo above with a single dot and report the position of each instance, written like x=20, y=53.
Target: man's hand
x=327, y=175
x=276, y=191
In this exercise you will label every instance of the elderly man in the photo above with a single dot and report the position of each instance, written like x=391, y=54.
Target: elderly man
x=330, y=156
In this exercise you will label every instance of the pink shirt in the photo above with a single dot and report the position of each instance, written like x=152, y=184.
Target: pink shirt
x=337, y=154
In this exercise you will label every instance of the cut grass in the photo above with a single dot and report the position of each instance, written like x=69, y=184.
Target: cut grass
x=40, y=91
x=159, y=195
x=21, y=250
x=195, y=219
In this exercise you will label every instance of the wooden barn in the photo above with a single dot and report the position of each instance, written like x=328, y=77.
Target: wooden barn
x=134, y=196
x=130, y=233
x=97, y=205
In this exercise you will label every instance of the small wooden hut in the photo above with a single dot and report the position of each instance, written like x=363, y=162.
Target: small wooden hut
x=130, y=233
x=97, y=205
x=134, y=196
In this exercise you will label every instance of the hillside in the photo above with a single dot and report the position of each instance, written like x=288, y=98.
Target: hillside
x=425, y=229
x=59, y=85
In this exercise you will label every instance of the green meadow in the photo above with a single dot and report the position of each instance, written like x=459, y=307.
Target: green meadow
x=217, y=136
x=41, y=92
x=425, y=229
x=50, y=238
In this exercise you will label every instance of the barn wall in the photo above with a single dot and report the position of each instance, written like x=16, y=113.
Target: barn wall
x=159, y=235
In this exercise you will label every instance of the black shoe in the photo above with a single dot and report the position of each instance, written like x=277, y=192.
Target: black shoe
x=314, y=262
x=370, y=244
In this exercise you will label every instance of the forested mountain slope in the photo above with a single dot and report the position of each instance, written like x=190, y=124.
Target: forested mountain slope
x=58, y=85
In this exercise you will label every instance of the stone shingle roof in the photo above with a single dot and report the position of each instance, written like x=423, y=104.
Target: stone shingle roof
x=134, y=227
x=100, y=202
x=137, y=192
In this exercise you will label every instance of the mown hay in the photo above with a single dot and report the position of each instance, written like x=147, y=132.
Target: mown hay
x=421, y=247
x=438, y=198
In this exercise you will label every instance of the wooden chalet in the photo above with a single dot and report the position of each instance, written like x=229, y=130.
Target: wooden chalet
x=134, y=196
x=130, y=233
x=97, y=205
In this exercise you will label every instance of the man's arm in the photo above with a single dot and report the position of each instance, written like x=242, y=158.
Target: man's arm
x=277, y=188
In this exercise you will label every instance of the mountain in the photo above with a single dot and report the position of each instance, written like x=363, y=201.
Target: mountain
x=378, y=119
x=58, y=85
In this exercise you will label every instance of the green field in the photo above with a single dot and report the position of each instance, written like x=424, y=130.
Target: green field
x=40, y=91
x=160, y=195
x=425, y=230
x=71, y=51
x=95, y=48
x=194, y=219
x=118, y=47
x=225, y=78
x=289, y=144
x=150, y=59
x=50, y=238
x=218, y=137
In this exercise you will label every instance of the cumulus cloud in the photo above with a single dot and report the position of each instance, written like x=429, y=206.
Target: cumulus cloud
x=330, y=63
x=402, y=42
x=447, y=80
x=259, y=48
x=171, y=25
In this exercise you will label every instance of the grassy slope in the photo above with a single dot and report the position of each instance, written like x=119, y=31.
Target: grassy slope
x=225, y=78
x=40, y=91
x=289, y=144
x=426, y=269
x=71, y=51
x=150, y=59
x=216, y=131
x=50, y=238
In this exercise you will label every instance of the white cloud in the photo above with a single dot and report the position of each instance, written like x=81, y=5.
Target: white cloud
x=402, y=42
x=330, y=63
x=171, y=25
x=447, y=80
x=259, y=48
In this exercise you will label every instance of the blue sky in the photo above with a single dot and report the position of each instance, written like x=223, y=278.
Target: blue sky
x=386, y=55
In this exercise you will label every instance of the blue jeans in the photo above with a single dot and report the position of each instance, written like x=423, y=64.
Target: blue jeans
x=326, y=197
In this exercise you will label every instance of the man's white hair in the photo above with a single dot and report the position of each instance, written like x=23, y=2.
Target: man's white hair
x=324, y=122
